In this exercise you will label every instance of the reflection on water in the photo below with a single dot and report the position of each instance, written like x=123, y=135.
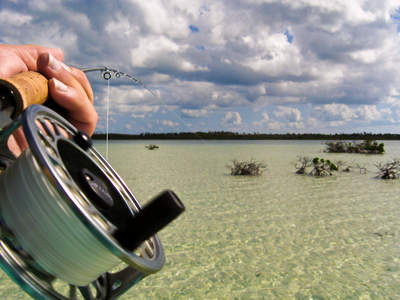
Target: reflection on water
x=277, y=236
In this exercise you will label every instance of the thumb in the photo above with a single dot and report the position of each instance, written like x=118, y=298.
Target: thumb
x=15, y=59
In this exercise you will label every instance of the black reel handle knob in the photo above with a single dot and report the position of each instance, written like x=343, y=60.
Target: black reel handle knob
x=154, y=216
x=83, y=140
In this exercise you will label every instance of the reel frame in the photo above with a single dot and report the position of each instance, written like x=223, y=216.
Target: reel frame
x=45, y=130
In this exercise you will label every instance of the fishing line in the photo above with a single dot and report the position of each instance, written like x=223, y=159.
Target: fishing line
x=47, y=229
x=66, y=215
x=107, y=74
x=107, y=114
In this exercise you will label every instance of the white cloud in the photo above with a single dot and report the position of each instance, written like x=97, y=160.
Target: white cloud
x=154, y=48
x=365, y=56
x=122, y=27
x=369, y=113
x=275, y=125
x=335, y=112
x=392, y=101
x=336, y=123
x=233, y=118
x=169, y=123
x=274, y=55
x=42, y=5
x=257, y=91
x=159, y=78
x=194, y=113
x=339, y=56
x=144, y=108
x=12, y=18
x=141, y=111
x=313, y=123
x=264, y=121
x=138, y=116
x=288, y=113
x=157, y=16
x=128, y=95
x=296, y=125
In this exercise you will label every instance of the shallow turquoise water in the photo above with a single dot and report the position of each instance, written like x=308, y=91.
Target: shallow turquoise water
x=277, y=236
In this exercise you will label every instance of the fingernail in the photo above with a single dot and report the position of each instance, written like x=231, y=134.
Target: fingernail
x=55, y=64
x=61, y=87
x=66, y=67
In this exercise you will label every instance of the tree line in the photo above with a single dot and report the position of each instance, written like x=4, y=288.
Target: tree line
x=228, y=135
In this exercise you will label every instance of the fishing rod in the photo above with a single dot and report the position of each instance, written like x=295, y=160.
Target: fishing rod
x=108, y=73
x=67, y=219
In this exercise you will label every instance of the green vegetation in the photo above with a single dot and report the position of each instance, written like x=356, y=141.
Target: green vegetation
x=364, y=147
x=249, y=168
x=152, y=147
x=320, y=167
x=389, y=170
x=343, y=166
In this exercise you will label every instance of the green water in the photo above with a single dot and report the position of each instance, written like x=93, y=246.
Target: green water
x=277, y=236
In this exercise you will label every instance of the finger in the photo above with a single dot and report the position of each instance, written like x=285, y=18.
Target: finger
x=17, y=142
x=44, y=59
x=52, y=67
x=49, y=66
x=15, y=59
x=70, y=91
x=81, y=111
x=83, y=80
x=30, y=54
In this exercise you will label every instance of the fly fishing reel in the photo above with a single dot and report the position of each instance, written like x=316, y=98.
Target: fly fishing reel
x=68, y=221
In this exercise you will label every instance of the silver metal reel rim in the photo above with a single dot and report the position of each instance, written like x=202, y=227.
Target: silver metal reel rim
x=16, y=268
x=13, y=264
x=32, y=133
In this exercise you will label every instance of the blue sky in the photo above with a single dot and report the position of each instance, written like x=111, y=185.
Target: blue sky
x=271, y=66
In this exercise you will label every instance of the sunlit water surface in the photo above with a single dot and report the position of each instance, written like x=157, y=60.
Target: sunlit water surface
x=276, y=236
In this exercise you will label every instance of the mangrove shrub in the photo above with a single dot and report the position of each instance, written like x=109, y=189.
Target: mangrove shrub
x=318, y=167
x=389, y=170
x=152, y=147
x=322, y=167
x=251, y=167
x=364, y=147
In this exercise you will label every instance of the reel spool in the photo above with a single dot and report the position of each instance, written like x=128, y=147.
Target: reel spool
x=67, y=217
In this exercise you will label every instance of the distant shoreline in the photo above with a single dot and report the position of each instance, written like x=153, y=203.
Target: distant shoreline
x=225, y=135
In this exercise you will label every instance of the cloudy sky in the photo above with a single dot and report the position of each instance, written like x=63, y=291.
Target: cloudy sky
x=270, y=66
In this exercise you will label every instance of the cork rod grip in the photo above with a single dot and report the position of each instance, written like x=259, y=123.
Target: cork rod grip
x=27, y=88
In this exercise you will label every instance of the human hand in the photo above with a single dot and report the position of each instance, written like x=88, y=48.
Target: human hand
x=68, y=86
